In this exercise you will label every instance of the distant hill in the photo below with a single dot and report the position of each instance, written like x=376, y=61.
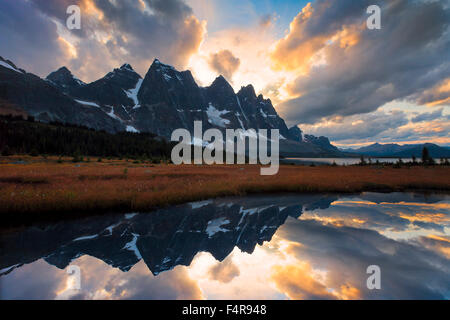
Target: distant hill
x=401, y=151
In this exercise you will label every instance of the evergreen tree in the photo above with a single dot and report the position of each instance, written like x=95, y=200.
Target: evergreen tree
x=425, y=156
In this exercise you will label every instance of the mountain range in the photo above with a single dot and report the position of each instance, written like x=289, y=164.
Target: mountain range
x=164, y=100
x=401, y=151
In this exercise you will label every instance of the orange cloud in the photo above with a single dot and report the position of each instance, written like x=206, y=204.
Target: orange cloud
x=250, y=45
x=224, y=271
x=349, y=293
x=299, y=51
x=440, y=244
x=89, y=7
x=69, y=49
x=191, y=37
x=298, y=282
x=349, y=36
x=294, y=51
x=438, y=95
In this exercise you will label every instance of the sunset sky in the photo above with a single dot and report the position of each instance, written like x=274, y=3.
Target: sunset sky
x=317, y=61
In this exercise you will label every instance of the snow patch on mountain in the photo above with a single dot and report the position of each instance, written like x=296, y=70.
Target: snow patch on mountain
x=132, y=246
x=6, y=65
x=200, y=204
x=133, y=93
x=240, y=107
x=215, y=226
x=215, y=116
x=113, y=115
x=132, y=129
x=87, y=103
x=86, y=237
x=128, y=216
x=199, y=142
x=81, y=83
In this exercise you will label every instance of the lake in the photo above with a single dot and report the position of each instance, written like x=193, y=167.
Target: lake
x=282, y=246
x=339, y=161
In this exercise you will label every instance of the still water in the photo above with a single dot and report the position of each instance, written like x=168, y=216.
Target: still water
x=258, y=247
x=340, y=161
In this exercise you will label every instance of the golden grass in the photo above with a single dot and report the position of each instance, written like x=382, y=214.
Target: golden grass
x=46, y=186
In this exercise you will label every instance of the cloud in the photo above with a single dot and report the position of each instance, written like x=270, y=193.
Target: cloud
x=358, y=126
x=439, y=244
x=224, y=271
x=420, y=132
x=408, y=271
x=398, y=214
x=42, y=281
x=267, y=20
x=134, y=31
x=298, y=283
x=427, y=116
x=28, y=38
x=168, y=286
x=225, y=63
x=384, y=126
x=346, y=69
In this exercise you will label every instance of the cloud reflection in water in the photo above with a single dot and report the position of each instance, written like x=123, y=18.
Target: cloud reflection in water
x=272, y=247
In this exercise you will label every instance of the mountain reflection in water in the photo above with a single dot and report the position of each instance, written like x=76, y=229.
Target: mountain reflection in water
x=258, y=247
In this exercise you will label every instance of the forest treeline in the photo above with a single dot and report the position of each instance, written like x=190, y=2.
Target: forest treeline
x=27, y=136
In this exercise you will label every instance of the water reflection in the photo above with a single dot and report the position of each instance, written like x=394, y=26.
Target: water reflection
x=261, y=247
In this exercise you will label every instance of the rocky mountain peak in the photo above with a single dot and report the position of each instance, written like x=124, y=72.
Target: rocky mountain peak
x=295, y=133
x=322, y=142
x=247, y=92
x=125, y=71
x=222, y=85
x=64, y=78
x=159, y=66
x=63, y=70
x=10, y=65
x=124, y=77
x=126, y=66
x=166, y=99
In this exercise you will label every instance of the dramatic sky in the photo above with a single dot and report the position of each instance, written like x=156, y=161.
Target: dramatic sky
x=322, y=67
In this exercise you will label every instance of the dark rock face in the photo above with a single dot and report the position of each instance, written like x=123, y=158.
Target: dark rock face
x=224, y=110
x=45, y=102
x=64, y=80
x=164, y=239
x=322, y=142
x=111, y=90
x=168, y=100
x=296, y=134
x=260, y=112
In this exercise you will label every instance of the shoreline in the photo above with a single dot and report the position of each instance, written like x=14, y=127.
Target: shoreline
x=46, y=189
